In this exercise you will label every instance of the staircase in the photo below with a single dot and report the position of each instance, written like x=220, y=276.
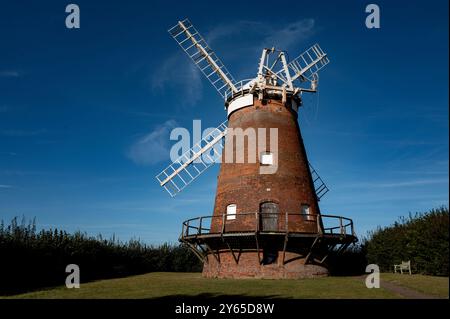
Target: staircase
x=319, y=185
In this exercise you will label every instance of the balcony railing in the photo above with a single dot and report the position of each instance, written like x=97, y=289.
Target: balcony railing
x=240, y=86
x=285, y=223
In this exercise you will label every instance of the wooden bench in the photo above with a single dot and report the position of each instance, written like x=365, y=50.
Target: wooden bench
x=405, y=265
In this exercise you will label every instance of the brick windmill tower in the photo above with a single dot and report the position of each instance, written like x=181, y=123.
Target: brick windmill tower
x=266, y=221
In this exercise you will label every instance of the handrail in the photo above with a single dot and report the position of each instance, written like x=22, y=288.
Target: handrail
x=198, y=226
x=239, y=86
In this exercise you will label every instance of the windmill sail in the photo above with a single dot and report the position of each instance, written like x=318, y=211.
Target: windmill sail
x=307, y=64
x=194, y=162
x=185, y=169
x=204, y=58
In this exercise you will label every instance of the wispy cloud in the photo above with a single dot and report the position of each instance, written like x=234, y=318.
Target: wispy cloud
x=178, y=73
x=290, y=34
x=259, y=35
x=9, y=74
x=5, y=186
x=146, y=114
x=409, y=142
x=154, y=146
x=396, y=184
x=223, y=31
x=418, y=182
x=4, y=108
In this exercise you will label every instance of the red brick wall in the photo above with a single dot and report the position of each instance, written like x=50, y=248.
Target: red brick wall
x=249, y=267
x=290, y=187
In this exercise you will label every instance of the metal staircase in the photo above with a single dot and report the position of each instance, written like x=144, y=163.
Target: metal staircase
x=319, y=185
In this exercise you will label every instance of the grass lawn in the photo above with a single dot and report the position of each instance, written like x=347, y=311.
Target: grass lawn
x=431, y=285
x=153, y=285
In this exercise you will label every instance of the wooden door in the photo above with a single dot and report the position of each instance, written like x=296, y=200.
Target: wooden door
x=269, y=216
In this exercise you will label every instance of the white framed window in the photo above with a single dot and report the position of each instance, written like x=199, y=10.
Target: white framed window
x=306, y=212
x=231, y=211
x=266, y=158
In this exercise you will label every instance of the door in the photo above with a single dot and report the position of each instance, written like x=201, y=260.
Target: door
x=269, y=216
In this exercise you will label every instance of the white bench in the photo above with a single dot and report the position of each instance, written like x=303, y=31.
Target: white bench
x=405, y=265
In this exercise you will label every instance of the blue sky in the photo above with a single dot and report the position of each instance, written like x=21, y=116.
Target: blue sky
x=81, y=110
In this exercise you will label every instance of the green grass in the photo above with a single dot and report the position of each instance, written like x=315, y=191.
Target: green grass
x=155, y=285
x=431, y=285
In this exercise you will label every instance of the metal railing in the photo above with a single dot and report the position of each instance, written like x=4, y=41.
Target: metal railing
x=285, y=223
x=240, y=86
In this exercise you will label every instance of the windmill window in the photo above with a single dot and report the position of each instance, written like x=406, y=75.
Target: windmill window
x=306, y=212
x=231, y=212
x=266, y=158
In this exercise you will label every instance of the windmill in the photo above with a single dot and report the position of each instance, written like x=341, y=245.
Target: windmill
x=266, y=221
